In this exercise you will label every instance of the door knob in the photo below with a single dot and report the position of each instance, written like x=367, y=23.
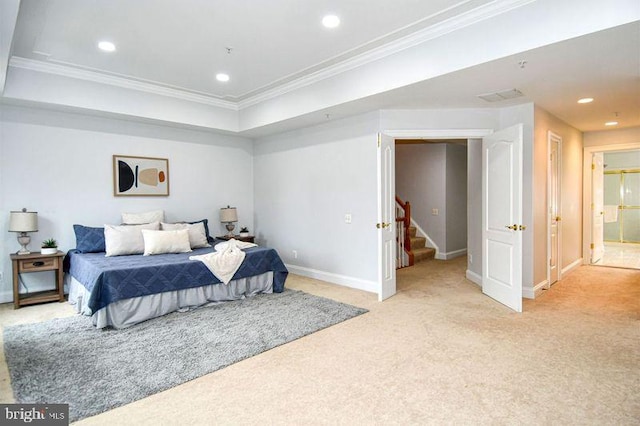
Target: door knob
x=512, y=227
x=382, y=225
x=522, y=227
x=558, y=219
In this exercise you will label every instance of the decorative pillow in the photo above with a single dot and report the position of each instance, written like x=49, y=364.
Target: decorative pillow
x=127, y=239
x=89, y=240
x=141, y=218
x=197, y=233
x=160, y=242
x=205, y=223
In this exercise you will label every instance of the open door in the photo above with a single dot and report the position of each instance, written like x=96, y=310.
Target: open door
x=386, y=218
x=502, y=226
x=597, y=211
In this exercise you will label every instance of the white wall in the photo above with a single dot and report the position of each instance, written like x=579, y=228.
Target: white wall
x=612, y=137
x=305, y=181
x=60, y=164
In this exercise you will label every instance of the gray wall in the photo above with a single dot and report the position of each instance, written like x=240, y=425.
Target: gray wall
x=433, y=176
x=474, y=208
x=456, y=181
x=60, y=165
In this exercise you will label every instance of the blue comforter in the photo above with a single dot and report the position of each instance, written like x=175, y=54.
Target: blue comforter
x=110, y=279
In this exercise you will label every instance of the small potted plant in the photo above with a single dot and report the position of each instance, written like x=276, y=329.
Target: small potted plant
x=49, y=246
x=244, y=231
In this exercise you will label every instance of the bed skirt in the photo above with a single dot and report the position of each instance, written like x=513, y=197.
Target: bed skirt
x=128, y=312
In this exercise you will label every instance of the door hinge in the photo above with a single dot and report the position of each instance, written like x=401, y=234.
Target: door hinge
x=593, y=166
x=592, y=246
x=379, y=140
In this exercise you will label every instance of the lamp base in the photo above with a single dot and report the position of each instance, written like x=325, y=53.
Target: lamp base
x=23, y=240
x=230, y=227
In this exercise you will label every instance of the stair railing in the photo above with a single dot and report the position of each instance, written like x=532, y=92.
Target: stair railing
x=403, y=222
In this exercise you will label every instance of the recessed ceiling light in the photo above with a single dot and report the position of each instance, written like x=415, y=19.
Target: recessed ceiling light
x=611, y=123
x=585, y=100
x=331, y=21
x=107, y=46
x=222, y=77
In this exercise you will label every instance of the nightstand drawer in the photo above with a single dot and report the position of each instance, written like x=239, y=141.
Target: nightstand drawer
x=33, y=265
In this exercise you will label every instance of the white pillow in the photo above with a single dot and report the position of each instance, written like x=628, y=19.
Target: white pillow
x=140, y=218
x=126, y=239
x=197, y=233
x=159, y=242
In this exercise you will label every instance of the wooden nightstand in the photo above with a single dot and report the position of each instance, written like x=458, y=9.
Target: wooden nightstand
x=36, y=262
x=249, y=239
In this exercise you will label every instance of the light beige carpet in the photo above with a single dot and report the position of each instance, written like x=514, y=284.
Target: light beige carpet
x=439, y=352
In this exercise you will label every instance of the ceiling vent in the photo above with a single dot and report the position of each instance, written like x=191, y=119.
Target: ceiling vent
x=501, y=96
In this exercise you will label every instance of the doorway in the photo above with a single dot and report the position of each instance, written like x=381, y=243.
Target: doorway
x=613, y=221
x=554, y=216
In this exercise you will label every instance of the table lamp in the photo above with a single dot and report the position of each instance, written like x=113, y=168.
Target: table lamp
x=229, y=215
x=23, y=222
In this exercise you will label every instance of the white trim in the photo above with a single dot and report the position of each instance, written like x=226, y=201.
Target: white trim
x=439, y=29
x=451, y=254
x=290, y=83
x=67, y=70
x=474, y=278
x=587, y=192
x=532, y=293
x=572, y=266
x=439, y=133
x=357, y=283
x=421, y=231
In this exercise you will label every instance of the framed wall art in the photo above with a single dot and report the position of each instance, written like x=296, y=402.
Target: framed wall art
x=145, y=176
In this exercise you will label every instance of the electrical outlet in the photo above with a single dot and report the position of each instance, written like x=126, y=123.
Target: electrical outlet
x=434, y=212
x=295, y=254
x=347, y=218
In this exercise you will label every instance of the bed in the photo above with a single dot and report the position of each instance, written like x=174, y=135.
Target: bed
x=122, y=291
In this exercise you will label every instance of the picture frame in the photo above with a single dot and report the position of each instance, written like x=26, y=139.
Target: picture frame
x=140, y=176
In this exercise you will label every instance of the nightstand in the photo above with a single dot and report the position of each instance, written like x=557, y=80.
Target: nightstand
x=249, y=239
x=36, y=262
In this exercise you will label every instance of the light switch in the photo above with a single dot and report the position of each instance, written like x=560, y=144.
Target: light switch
x=434, y=212
x=347, y=218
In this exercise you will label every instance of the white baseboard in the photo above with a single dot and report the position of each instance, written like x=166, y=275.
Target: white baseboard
x=474, y=278
x=532, y=293
x=451, y=254
x=357, y=283
x=571, y=266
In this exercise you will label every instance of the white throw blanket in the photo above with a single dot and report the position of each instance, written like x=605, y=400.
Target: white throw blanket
x=225, y=260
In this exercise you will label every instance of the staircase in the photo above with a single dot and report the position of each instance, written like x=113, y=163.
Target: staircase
x=410, y=248
x=418, y=247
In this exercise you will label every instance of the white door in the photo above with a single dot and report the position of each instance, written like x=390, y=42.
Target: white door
x=386, y=218
x=502, y=226
x=597, y=212
x=554, y=207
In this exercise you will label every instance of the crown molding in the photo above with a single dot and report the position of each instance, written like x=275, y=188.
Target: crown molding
x=126, y=83
x=463, y=20
x=439, y=29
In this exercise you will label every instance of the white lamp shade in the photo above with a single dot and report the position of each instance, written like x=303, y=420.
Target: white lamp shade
x=23, y=221
x=228, y=214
